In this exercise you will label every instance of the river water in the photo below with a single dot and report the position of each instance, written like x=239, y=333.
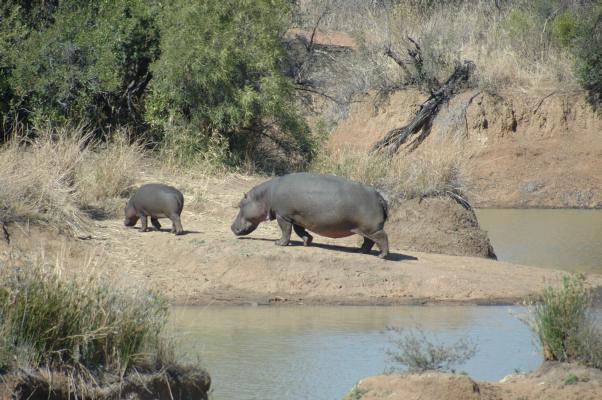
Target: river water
x=558, y=238
x=294, y=353
x=319, y=353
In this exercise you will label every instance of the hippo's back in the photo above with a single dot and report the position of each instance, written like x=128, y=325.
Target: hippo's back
x=328, y=202
x=158, y=197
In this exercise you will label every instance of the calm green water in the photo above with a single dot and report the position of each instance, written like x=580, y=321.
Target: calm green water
x=296, y=353
x=565, y=239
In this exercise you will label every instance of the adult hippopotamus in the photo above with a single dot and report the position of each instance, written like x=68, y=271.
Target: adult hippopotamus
x=155, y=200
x=327, y=205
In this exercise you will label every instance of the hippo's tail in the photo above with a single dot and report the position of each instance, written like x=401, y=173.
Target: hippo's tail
x=383, y=202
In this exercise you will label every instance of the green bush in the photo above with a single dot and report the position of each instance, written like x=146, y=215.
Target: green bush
x=81, y=324
x=77, y=61
x=564, y=28
x=220, y=74
x=564, y=325
x=588, y=49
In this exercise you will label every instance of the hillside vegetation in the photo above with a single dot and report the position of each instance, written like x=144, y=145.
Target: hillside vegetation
x=222, y=81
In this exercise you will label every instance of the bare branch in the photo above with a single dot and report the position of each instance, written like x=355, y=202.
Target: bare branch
x=428, y=110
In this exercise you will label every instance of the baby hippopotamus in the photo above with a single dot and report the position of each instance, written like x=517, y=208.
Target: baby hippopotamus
x=155, y=200
x=327, y=205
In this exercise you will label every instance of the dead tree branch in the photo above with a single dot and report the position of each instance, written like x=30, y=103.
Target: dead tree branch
x=428, y=110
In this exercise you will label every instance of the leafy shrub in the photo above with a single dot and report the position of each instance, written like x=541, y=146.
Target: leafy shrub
x=588, y=50
x=564, y=325
x=564, y=28
x=418, y=353
x=78, y=61
x=220, y=74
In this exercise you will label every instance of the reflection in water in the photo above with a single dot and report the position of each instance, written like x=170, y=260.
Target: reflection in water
x=295, y=353
x=564, y=238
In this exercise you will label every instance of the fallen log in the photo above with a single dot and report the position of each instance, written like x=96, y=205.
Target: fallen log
x=427, y=112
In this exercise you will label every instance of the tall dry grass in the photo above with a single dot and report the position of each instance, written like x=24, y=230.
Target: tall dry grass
x=62, y=172
x=512, y=47
x=433, y=171
x=85, y=327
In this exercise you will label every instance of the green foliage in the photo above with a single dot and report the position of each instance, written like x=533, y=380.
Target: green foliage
x=84, y=324
x=220, y=73
x=564, y=28
x=564, y=325
x=559, y=317
x=521, y=27
x=571, y=379
x=356, y=393
x=87, y=63
x=588, y=49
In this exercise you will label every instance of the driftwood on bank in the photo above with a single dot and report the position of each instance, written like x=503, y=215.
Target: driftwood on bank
x=427, y=112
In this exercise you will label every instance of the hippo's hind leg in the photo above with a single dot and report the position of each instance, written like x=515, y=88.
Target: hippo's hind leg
x=378, y=237
x=176, y=224
x=155, y=223
x=286, y=228
x=303, y=234
x=367, y=245
x=382, y=241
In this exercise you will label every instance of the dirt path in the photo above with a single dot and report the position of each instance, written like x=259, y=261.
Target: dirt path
x=210, y=265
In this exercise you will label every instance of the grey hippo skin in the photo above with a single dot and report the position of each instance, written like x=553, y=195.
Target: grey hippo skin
x=155, y=201
x=327, y=205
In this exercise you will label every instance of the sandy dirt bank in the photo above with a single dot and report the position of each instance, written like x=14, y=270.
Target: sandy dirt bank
x=210, y=265
x=540, y=148
x=552, y=381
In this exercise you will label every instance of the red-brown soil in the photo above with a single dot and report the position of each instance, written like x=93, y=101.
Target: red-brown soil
x=537, y=149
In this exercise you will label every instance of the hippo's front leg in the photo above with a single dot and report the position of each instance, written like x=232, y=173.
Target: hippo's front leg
x=143, y=223
x=286, y=228
x=303, y=234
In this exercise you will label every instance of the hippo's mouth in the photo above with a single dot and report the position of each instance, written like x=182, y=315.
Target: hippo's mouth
x=238, y=231
x=129, y=222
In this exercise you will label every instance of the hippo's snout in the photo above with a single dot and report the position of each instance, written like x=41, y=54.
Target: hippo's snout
x=129, y=222
x=241, y=229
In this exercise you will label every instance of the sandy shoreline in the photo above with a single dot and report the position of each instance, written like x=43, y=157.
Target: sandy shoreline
x=209, y=265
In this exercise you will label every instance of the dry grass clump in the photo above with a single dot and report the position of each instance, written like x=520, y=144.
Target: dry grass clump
x=53, y=178
x=37, y=179
x=110, y=169
x=83, y=327
x=422, y=173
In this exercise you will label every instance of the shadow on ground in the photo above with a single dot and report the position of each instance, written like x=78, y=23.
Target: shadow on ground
x=344, y=249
